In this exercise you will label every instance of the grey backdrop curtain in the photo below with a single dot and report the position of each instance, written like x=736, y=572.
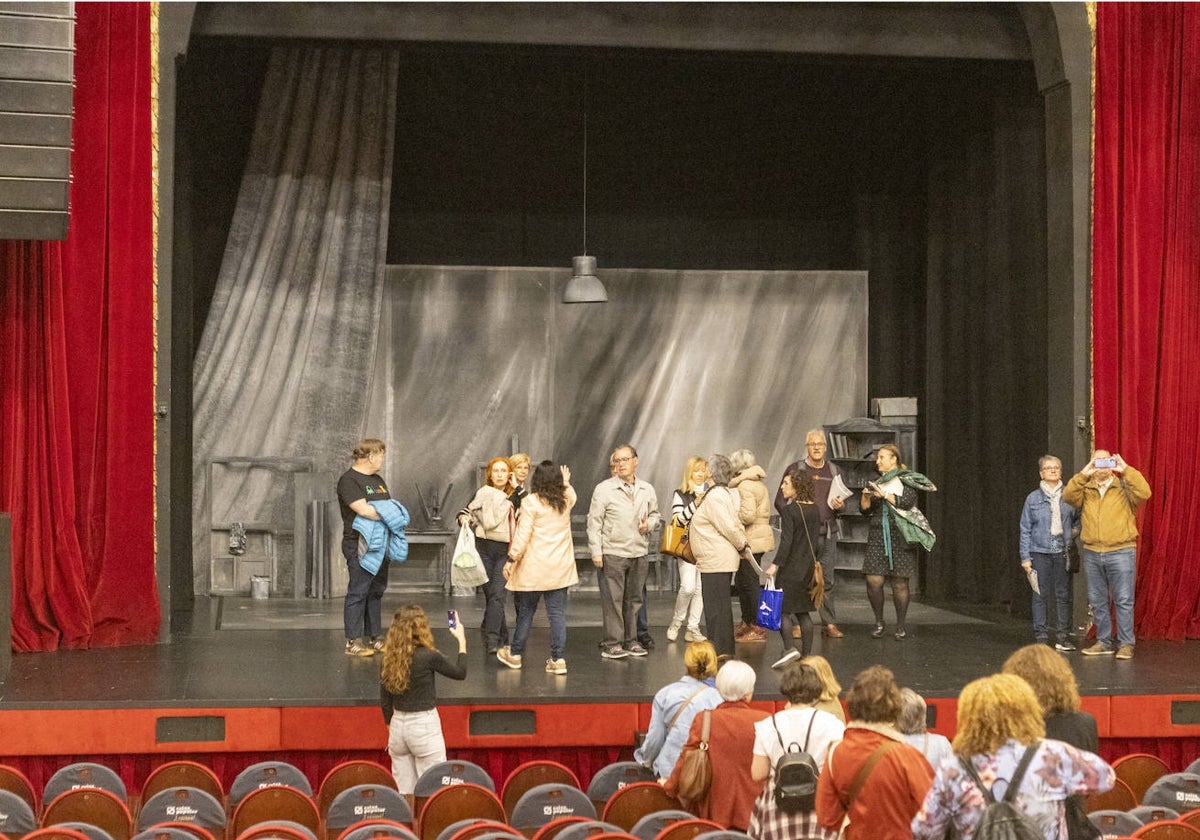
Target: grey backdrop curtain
x=285, y=358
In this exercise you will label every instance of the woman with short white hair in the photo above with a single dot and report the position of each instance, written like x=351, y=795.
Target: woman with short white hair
x=730, y=798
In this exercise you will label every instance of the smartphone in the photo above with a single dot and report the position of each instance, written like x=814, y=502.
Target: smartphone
x=1105, y=463
x=451, y=619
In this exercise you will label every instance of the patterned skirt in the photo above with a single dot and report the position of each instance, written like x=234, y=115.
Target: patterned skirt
x=767, y=822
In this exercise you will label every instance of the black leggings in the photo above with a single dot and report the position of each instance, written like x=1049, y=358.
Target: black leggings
x=899, y=597
x=790, y=620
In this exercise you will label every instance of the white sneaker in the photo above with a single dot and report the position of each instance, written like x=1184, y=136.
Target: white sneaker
x=790, y=656
x=693, y=634
x=556, y=666
x=506, y=656
x=672, y=631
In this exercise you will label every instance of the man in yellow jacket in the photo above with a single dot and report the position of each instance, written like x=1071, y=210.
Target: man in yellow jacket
x=1107, y=492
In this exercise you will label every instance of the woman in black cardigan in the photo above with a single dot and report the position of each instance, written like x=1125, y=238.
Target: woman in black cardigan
x=794, y=567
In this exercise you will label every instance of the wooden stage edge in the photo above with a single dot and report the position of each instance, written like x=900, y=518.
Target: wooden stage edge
x=267, y=729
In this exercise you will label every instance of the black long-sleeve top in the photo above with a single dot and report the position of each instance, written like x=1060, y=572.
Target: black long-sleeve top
x=421, y=694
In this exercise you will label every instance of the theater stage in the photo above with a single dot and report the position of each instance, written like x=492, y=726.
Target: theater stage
x=270, y=676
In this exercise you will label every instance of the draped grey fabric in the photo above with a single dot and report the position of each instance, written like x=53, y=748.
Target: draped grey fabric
x=287, y=351
x=677, y=362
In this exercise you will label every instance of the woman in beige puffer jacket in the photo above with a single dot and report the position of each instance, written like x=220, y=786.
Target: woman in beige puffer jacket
x=754, y=510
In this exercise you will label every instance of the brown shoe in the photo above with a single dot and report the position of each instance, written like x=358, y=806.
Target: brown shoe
x=755, y=634
x=741, y=630
x=832, y=631
x=1125, y=652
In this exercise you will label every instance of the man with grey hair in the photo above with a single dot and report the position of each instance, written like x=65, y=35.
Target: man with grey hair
x=1107, y=492
x=1048, y=527
x=623, y=512
x=822, y=473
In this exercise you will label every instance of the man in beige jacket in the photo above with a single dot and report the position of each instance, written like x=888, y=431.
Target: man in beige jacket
x=623, y=512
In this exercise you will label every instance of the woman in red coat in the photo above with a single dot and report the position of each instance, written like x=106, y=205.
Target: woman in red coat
x=731, y=796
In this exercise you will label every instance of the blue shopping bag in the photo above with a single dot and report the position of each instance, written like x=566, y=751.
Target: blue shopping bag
x=770, y=606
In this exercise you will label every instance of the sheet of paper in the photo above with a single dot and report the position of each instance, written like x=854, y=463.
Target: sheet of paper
x=838, y=490
x=1033, y=581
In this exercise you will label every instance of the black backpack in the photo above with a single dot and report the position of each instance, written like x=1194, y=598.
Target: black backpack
x=1001, y=820
x=795, y=775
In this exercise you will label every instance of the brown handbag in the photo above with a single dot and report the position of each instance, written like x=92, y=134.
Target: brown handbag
x=695, y=767
x=672, y=537
x=816, y=590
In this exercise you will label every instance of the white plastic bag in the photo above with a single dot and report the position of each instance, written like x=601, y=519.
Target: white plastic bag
x=465, y=567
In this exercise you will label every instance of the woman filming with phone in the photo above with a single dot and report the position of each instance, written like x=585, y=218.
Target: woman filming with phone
x=896, y=529
x=408, y=695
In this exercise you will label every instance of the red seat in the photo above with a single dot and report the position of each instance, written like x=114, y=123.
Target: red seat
x=531, y=774
x=173, y=830
x=632, y=802
x=1167, y=830
x=183, y=774
x=1192, y=818
x=1120, y=798
x=1139, y=771
x=482, y=827
x=54, y=832
x=271, y=831
x=687, y=829
x=347, y=775
x=551, y=829
x=94, y=806
x=455, y=803
x=377, y=830
x=14, y=781
x=274, y=804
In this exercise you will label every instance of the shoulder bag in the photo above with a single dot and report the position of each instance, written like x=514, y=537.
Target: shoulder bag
x=695, y=769
x=817, y=590
x=685, y=543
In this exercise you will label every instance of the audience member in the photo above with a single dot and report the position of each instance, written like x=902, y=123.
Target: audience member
x=623, y=512
x=999, y=726
x=1053, y=683
x=873, y=782
x=800, y=725
x=676, y=705
x=831, y=694
x=541, y=564
x=754, y=512
x=911, y=724
x=408, y=695
x=730, y=749
x=689, y=603
x=720, y=545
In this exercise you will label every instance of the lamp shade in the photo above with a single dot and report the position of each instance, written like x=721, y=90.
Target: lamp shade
x=584, y=286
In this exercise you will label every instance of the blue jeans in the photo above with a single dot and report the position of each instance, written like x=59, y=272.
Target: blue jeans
x=364, y=599
x=494, y=555
x=1111, y=573
x=1055, y=583
x=556, y=610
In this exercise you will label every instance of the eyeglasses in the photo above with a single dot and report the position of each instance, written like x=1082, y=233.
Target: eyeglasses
x=624, y=460
x=1051, y=469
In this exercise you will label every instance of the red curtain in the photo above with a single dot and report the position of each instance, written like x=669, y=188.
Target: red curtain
x=77, y=355
x=1146, y=288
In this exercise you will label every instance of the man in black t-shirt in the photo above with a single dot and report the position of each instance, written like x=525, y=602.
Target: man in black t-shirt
x=357, y=488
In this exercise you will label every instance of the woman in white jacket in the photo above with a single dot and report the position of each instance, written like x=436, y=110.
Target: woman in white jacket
x=490, y=514
x=719, y=542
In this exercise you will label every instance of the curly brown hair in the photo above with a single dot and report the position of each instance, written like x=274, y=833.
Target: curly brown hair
x=874, y=697
x=994, y=710
x=409, y=631
x=1049, y=675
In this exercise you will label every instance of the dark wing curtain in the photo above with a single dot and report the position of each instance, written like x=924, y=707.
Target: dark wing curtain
x=77, y=362
x=1146, y=288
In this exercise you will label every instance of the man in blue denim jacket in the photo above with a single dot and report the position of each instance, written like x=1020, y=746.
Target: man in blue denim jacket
x=1048, y=524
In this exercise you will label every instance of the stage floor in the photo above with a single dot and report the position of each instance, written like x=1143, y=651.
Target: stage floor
x=287, y=653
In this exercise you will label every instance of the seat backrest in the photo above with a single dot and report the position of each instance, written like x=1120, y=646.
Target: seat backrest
x=183, y=805
x=632, y=802
x=266, y=774
x=14, y=781
x=587, y=829
x=615, y=776
x=377, y=830
x=485, y=829
x=366, y=802
x=651, y=825
x=1139, y=771
x=551, y=829
x=16, y=815
x=1178, y=791
x=84, y=774
x=1191, y=818
x=1118, y=798
x=1114, y=823
x=1168, y=830
x=529, y=775
x=54, y=832
x=167, y=832
x=446, y=773
x=347, y=775
x=723, y=834
x=88, y=830
x=190, y=774
x=458, y=802
x=277, y=831
x=539, y=805
x=688, y=829
x=96, y=806
x=275, y=805
x=1146, y=814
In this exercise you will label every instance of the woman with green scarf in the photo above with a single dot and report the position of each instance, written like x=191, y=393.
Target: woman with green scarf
x=896, y=529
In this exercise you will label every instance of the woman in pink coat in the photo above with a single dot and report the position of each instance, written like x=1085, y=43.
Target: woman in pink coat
x=541, y=563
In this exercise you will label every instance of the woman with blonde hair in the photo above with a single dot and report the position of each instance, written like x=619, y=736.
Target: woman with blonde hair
x=521, y=465
x=754, y=512
x=1000, y=739
x=830, y=697
x=676, y=705
x=1053, y=682
x=689, y=603
x=491, y=515
x=408, y=696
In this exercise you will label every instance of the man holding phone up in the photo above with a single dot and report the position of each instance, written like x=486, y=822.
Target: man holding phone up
x=1107, y=492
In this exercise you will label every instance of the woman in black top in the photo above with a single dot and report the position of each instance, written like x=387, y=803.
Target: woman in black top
x=408, y=696
x=794, y=567
x=1054, y=684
